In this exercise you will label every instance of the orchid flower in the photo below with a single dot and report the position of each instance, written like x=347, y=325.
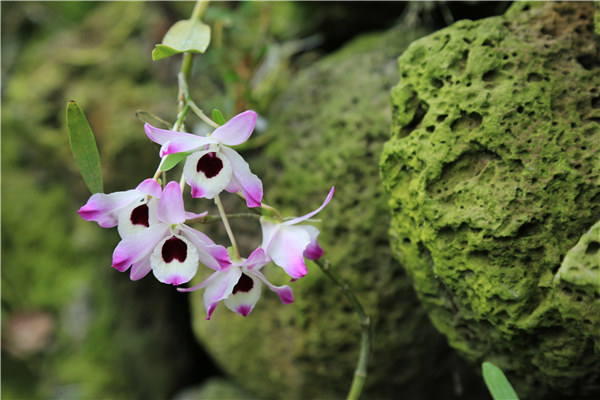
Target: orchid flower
x=287, y=243
x=168, y=247
x=131, y=211
x=212, y=166
x=239, y=285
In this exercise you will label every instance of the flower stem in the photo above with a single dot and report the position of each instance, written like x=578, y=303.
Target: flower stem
x=226, y=224
x=272, y=209
x=360, y=373
x=201, y=114
x=214, y=218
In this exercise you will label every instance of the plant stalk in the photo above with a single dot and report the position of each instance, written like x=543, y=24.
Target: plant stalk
x=360, y=373
x=226, y=224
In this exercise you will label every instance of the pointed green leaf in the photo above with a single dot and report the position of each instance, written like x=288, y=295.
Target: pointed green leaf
x=497, y=383
x=218, y=117
x=172, y=160
x=83, y=147
x=188, y=35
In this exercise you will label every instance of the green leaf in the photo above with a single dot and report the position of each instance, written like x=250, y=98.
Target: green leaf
x=172, y=160
x=218, y=117
x=497, y=383
x=83, y=147
x=188, y=35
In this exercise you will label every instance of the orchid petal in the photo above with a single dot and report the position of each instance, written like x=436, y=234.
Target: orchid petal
x=170, y=206
x=284, y=292
x=199, y=286
x=104, y=208
x=174, y=260
x=150, y=187
x=269, y=230
x=237, y=130
x=245, y=295
x=213, y=256
x=257, y=259
x=249, y=183
x=212, y=182
x=220, y=288
x=287, y=248
x=313, y=251
x=233, y=186
x=133, y=248
x=175, y=142
x=140, y=269
x=310, y=214
x=191, y=215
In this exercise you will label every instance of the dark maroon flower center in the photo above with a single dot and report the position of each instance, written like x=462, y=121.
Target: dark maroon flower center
x=209, y=164
x=245, y=284
x=174, y=248
x=139, y=215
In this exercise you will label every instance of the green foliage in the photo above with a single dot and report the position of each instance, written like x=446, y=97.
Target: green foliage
x=172, y=160
x=83, y=146
x=496, y=381
x=188, y=35
x=218, y=117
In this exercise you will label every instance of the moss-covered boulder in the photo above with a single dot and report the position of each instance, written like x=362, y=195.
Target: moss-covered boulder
x=328, y=129
x=494, y=172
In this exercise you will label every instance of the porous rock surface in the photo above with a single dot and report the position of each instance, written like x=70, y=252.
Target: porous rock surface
x=494, y=172
x=328, y=130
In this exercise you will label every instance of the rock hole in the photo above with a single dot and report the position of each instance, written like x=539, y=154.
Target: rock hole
x=529, y=229
x=437, y=83
x=442, y=118
x=490, y=76
x=588, y=61
x=592, y=248
x=534, y=77
x=420, y=112
x=596, y=102
x=467, y=166
x=471, y=121
x=546, y=30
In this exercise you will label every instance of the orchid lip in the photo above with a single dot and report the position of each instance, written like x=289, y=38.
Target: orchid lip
x=174, y=248
x=245, y=284
x=210, y=165
x=140, y=215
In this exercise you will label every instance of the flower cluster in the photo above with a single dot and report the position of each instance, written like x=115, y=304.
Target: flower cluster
x=151, y=221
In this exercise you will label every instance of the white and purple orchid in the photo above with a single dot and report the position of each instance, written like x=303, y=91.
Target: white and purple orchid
x=154, y=238
x=287, y=243
x=131, y=211
x=212, y=166
x=239, y=285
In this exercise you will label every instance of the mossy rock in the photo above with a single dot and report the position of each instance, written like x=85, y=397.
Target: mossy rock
x=493, y=171
x=328, y=129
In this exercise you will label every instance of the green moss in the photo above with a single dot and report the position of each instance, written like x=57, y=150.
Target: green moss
x=493, y=171
x=328, y=129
